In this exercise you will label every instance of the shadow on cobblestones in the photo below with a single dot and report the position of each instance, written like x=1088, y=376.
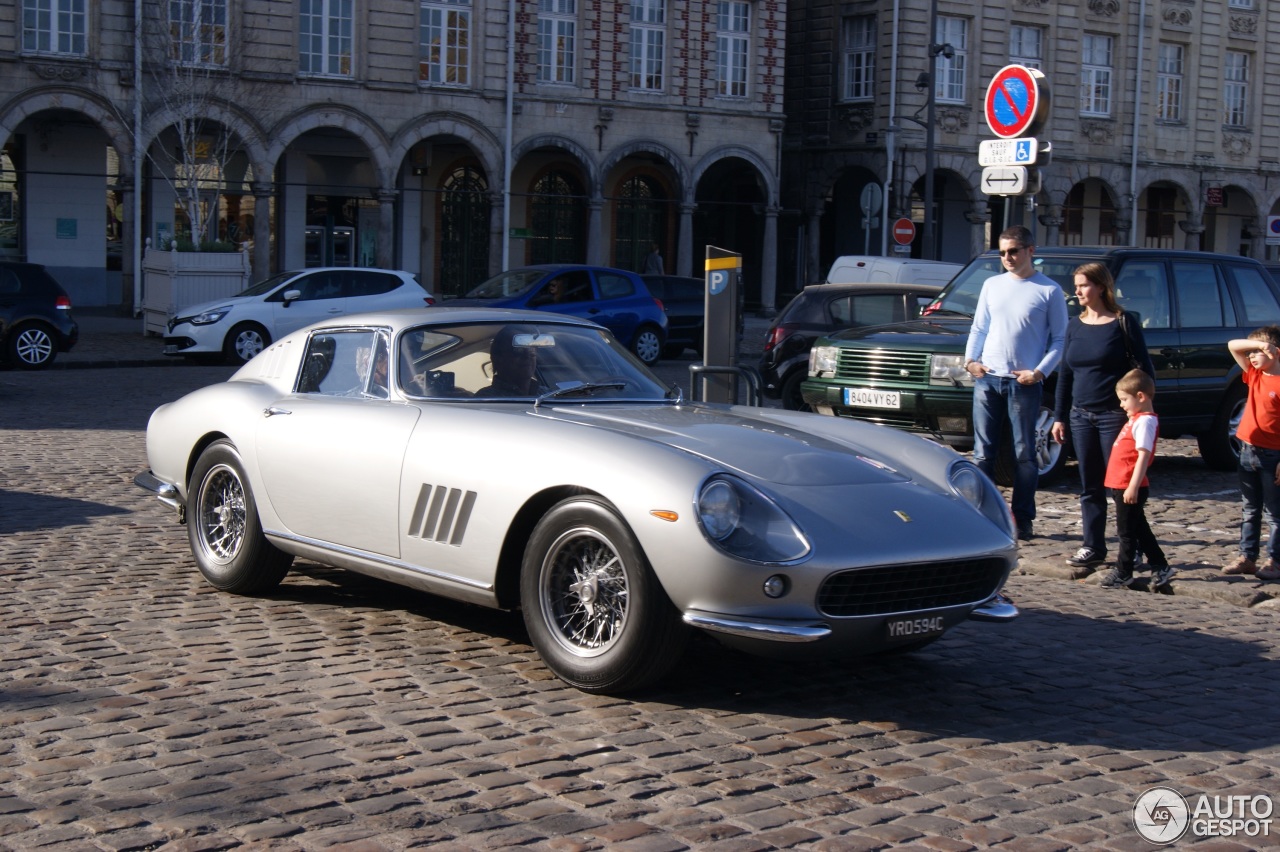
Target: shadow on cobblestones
x=24, y=512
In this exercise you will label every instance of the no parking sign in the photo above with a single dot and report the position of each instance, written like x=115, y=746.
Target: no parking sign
x=1273, y=231
x=1017, y=101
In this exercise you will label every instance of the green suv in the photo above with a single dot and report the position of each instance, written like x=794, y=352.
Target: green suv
x=911, y=375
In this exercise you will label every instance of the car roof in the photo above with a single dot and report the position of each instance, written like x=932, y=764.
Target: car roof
x=405, y=317
x=1103, y=252
x=827, y=288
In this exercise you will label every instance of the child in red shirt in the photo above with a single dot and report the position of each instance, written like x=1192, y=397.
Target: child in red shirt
x=1126, y=478
x=1259, y=434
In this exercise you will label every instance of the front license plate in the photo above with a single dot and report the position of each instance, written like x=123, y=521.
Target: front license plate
x=915, y=628
x=868, y=398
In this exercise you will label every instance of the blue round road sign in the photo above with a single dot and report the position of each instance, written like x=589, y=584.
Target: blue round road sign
x=1017, y=101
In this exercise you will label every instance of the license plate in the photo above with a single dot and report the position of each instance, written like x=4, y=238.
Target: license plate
x=868, y=398
x=915, y=628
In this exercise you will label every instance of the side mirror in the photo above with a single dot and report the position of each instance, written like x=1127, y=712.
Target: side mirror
x=291, y=295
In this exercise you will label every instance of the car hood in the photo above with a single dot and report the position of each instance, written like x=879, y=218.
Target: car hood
x=928, y=333
x=229, y=301
x=755, y=446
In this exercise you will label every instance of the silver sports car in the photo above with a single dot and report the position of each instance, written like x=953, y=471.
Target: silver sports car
x=524, y=459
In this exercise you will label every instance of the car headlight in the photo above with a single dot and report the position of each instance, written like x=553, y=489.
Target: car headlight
x=975, y=488
x=211, y=316
x=823, y=360
x=948, y=370
x=740, y=520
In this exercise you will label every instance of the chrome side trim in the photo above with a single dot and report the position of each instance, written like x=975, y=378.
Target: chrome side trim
x=996, y=608
x=165, y=491
x=385, y=561
x=774, y=631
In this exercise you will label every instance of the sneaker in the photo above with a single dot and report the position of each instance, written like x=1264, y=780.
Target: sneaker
x=1116, y=580
x=1161, y=576
x=1085, y=557
x=1271, y=572
x=1025, y=532
x=1242, y=565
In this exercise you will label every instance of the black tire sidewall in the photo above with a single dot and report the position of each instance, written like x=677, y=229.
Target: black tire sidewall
x=229, y=347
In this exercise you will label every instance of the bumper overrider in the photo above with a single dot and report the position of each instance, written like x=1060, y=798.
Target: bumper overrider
x=166, y=492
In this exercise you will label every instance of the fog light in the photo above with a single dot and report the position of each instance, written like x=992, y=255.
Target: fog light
x=776, y=586
x=953, y=424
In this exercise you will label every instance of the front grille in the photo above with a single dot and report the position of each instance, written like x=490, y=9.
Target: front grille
x=906, y=423
x=880, y=366
x=905, y=588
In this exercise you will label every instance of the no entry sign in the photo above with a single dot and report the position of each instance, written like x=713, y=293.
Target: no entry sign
x=1017, y=101
x=904, y=231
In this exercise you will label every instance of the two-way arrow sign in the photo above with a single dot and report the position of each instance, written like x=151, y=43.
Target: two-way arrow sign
x=1010, y=180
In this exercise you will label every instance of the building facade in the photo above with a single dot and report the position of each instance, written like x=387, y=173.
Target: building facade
x=1163, y=123
x=450, y=138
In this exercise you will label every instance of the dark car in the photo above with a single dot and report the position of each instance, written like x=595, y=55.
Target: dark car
x=685, y=301
x=817, y=311
x=912, y=375
x=614, y=298
x=35, y=316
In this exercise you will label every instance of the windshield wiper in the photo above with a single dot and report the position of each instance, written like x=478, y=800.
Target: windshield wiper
x=584, y=389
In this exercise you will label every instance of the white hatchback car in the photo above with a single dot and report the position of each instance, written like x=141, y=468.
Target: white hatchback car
x=243, y=325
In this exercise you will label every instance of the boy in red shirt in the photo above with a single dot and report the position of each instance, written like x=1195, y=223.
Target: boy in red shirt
x=1126, y=478
x=1259, y=434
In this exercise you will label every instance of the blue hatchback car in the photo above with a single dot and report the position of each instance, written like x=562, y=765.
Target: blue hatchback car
x=614, y=298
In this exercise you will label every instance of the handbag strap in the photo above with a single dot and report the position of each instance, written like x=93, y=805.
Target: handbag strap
x=1124, y=332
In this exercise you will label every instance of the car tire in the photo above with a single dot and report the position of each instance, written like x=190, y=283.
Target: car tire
x=593, y=607
x=32, y=346
x=244, y=341
x=223, y=526
x=1051, y=457
x=1219, y=447
x=647, y=344
x=792, y=398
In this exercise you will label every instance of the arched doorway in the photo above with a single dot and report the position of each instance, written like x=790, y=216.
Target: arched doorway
x=464, y=230
x=641, y=211
x=557, y=219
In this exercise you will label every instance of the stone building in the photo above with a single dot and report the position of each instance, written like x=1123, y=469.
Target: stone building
x=1164, y=122
x=451, y=138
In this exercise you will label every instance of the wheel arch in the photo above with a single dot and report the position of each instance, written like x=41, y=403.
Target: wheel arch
x=197, y=450
x=510, y=557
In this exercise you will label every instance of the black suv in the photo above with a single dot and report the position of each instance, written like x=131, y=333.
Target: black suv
x=35, y=316
x=912, y=375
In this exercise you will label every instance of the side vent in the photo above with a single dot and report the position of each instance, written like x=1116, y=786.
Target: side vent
x=441, y=514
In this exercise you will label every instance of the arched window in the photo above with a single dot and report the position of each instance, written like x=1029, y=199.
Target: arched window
x=557, y=218
x=640, y=221
x=464, y=231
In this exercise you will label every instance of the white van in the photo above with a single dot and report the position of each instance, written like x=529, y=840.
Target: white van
x=868, y=269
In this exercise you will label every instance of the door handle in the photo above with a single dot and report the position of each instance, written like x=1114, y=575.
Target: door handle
x=274, y=410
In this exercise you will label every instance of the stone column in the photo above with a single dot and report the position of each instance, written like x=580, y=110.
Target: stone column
x=813, y=251
x=1193, y=227
x=1052, y=221
x=496, y=237
x=978, y=216
x=595, y=239
x=260, y=263
x=684, y=247
x=130, y=264
x=769, y=263
x=386, y=227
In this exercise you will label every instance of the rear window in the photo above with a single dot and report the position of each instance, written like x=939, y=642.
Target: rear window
x=614, y=286
x=961, y=295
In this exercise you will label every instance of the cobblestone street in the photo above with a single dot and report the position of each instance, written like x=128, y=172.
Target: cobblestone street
x=141, y=709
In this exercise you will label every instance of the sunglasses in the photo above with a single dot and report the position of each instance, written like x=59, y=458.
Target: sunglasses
x=1009, y=252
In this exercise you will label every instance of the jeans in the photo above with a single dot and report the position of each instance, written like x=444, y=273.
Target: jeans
x=1259, y=493
x=1092, y=434
x=1135, y=534
x=998, y=400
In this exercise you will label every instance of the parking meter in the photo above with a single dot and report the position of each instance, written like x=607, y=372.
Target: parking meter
x=720, y=337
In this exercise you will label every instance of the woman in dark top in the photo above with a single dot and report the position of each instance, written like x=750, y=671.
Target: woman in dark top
x=1094, y=357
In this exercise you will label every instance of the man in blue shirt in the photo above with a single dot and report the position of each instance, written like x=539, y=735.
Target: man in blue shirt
x=1015, y=342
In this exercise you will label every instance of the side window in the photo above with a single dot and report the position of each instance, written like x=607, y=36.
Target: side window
x=372, y=283
x=1202, y=301
x=878, y=309
x=563, y=289
x=347, y=363
x=320, y=285
x=614, y=286
x=841, y=311
x=9, y=284
x=1257, y=300
x=1141, y=288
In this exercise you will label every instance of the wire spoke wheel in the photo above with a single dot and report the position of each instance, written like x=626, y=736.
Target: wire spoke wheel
x=585, y=593
x=221, y=514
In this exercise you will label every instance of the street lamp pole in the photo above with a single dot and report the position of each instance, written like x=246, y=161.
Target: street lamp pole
x=927, y=248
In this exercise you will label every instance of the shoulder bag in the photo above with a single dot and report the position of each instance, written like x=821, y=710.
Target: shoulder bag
x=1134, y=363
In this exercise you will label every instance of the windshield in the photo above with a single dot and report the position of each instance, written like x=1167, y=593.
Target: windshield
x=522, y=361
x=504, y=285
x=961, y=295
x=264, y=287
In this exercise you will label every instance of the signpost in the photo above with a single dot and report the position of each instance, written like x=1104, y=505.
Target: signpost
x=1017, y=105
x=870, y=201
x=904, y=233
